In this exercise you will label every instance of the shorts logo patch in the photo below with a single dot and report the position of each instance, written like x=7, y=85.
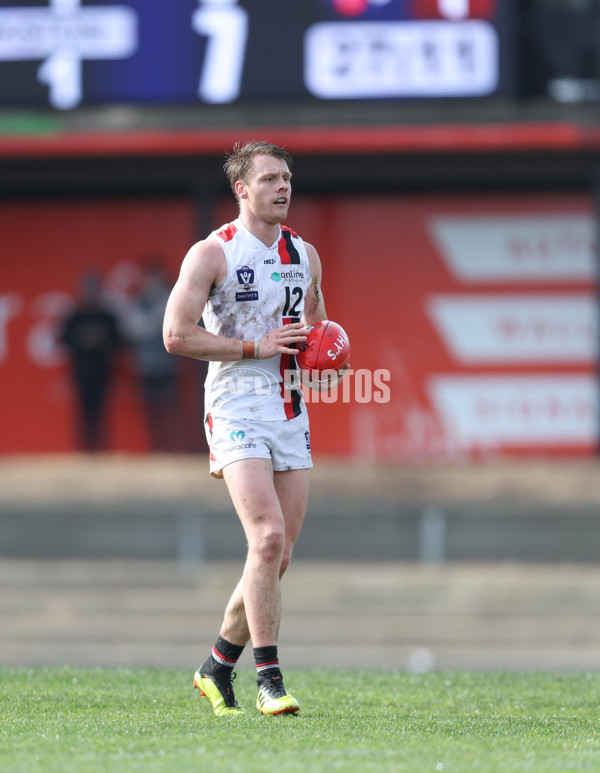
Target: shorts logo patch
x=245, y=277
x=239, y=435
x=307, y=438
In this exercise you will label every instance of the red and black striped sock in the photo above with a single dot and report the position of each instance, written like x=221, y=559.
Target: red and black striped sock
x=267, y=662
x=223, y=657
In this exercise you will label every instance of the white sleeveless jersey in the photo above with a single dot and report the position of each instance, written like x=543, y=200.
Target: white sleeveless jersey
x=264, y=288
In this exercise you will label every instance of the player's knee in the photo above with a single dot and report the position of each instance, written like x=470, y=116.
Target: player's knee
x=271, y=545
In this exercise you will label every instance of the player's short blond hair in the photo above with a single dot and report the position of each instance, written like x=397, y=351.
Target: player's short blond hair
x=238, y=162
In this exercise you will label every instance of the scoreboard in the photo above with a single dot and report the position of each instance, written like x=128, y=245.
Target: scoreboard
x=68, y=53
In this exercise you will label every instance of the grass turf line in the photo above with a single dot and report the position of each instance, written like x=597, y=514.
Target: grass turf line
x=121, y=720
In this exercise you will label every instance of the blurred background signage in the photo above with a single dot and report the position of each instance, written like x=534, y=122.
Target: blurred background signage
x=66, y=53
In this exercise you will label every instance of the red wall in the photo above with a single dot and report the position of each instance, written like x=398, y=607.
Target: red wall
x=480, y=308
x=46, y=248
x=517, y=375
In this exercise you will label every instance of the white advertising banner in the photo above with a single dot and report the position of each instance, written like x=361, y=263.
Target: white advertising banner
x=517, y=248
x=505, y=329
x=517, y=411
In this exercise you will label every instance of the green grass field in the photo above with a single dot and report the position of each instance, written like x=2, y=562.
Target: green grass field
x=90, y=720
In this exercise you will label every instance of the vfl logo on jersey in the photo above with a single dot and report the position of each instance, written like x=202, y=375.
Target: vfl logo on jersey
x=245, y=276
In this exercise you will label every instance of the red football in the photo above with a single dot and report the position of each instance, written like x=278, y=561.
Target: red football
x=327, y=347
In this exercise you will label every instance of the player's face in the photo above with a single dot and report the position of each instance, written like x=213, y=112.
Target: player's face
x=268, y=189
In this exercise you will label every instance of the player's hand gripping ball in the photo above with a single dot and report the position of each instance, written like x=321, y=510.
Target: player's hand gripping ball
x=327, y=347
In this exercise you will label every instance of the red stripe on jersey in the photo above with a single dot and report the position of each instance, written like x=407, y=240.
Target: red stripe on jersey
x=449, y=9
x=227, y=232
x=282, y=249
x=285, y=393
x=288, y=253
x=291, y=398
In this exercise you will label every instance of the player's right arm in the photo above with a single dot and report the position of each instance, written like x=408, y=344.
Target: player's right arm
x=205, y=267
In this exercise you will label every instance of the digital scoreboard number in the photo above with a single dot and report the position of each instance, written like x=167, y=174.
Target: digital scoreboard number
x=67, y=53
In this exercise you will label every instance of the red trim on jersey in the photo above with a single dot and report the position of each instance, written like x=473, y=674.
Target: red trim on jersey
x=227, y=232
x=291, y=400
x=287, y=228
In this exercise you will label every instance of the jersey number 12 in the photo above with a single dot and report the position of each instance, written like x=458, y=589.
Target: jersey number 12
x=293, y=296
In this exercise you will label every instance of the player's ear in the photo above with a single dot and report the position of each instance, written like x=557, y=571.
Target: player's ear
x=241, y=190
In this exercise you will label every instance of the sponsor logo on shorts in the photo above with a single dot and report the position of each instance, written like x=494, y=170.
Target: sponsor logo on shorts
x=307, y=438
x=239, y=447
x=236, y=435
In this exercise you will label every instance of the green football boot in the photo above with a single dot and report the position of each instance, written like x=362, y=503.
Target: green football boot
x=220, y=693
x=273, y=698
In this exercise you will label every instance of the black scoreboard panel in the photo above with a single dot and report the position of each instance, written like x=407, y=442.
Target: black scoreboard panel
x=67, y=53
x=560, y=50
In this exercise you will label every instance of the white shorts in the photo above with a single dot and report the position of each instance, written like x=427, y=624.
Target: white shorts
x=285, y=442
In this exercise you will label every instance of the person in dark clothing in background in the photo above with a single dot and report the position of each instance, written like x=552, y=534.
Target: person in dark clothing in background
x=158, y=371
x=91, y=336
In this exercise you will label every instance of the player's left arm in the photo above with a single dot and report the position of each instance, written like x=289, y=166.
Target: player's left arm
x=314, y=305
x=314, y=311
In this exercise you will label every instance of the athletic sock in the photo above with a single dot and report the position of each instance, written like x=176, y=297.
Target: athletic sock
x=222, y=659
x=267, y=662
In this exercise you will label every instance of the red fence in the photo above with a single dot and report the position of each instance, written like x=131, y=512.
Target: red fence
x=482, y=310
